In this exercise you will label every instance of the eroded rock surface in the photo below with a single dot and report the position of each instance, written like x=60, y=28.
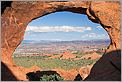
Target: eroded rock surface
x=16, y=17
x=108, y=68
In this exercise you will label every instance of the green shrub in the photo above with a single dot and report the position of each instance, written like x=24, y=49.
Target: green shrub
x=54, y=77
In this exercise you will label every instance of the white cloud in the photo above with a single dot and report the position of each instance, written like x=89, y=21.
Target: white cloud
x=95, y=36
x=57, y=28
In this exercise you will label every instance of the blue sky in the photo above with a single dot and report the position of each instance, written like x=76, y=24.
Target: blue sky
x=64, y=26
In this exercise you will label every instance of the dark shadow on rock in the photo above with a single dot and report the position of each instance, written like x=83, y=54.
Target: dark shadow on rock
x=6, y=74
x=107, y=68
x=5, y=4
x=78, y=78
x=35, y=76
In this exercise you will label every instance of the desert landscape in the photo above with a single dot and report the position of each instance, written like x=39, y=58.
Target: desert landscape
x=67, y=58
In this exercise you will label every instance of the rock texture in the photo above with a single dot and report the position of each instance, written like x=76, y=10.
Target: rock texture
x=67, y=75
x=108, y=68
x=17, y=15
x=64, y=55
x=92, y=56
x=85, y=71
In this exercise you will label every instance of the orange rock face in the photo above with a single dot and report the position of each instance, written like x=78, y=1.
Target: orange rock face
x=17, y=15
x=67, y=75
x=91, y=56
x=67, y=55
x=72, y=73
x=85, y=71
x=20, y=72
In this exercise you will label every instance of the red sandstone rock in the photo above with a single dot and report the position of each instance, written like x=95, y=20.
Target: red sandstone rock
x=91, y=56
x=85, y=71
x=67, y=75
x=67, y=55
x=16, y=17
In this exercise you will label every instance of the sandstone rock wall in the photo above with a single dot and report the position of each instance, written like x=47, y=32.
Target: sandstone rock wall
x=16, y=17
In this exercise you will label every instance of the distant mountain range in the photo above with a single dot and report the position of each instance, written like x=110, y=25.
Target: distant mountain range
x=35, y=41
x=106, y=41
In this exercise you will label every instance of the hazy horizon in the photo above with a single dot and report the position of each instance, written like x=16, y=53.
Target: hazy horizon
x=62, y=40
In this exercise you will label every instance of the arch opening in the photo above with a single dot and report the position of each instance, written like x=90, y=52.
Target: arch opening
x=47, y=42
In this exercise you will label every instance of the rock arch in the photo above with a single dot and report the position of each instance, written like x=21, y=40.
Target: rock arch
x=16, y=17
